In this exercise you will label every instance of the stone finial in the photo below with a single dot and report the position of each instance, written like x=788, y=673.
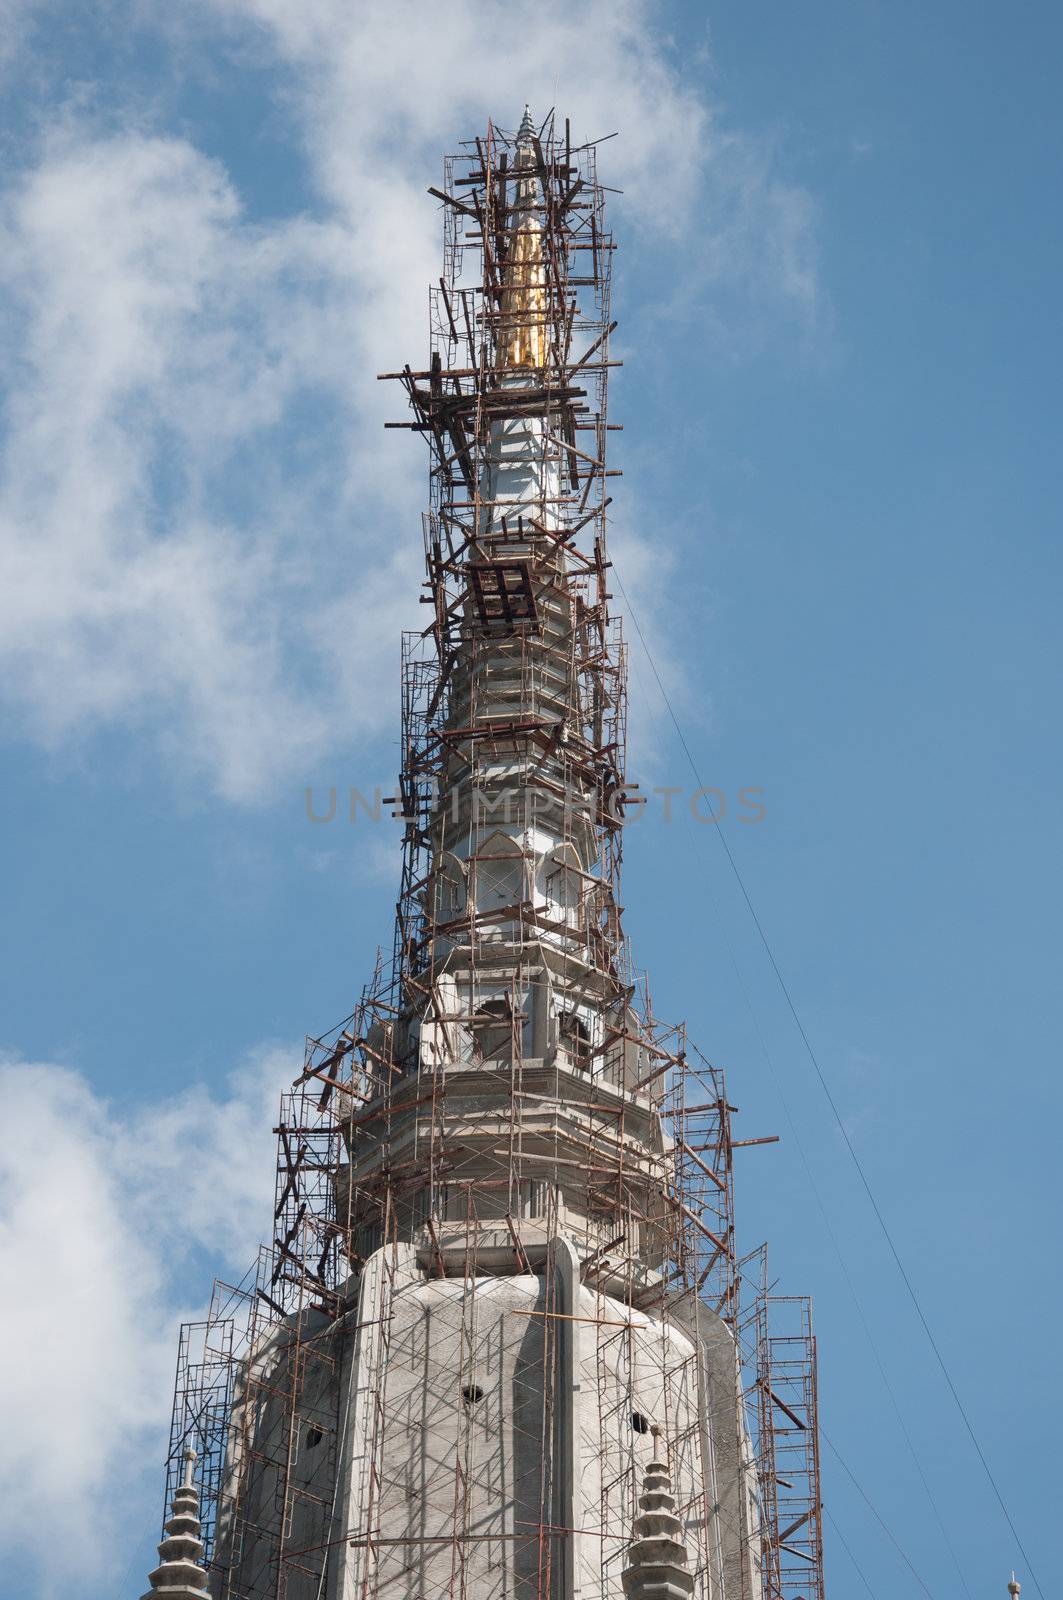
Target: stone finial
x=658, y=1564
x=1013, y=1588
x=526, y=131
x=179, y=1575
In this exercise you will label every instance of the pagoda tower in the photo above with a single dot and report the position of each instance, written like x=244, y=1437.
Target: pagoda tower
x=497, y=1348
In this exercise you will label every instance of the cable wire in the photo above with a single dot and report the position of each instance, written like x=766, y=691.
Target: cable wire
x=833, y=1104
x=799, y=1144
x=843, y=1541
x=912, y=1568
x=777, y=1082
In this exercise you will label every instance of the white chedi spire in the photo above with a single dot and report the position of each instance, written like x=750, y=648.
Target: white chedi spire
x=658, y=1563
x=179, y=1575
x=527, y=130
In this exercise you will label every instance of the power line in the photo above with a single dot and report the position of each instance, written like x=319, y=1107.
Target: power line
x=913, y=1569
x=857, y=1302
x=833, y=1105
x=777, y=1082
x=843, y=1541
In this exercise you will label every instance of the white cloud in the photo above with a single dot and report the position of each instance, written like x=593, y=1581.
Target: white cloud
x=15, y=18
x=204, y=533
x=98, y=1209
x=380, y=101
x=154, y=561
x=643, y=572
x=378, y=861
x=405, y=80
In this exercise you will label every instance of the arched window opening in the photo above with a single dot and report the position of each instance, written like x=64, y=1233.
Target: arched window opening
x=575, y=1039
x=493, y=1026
x=499, y=883
x=450, y=894
x=564, y=891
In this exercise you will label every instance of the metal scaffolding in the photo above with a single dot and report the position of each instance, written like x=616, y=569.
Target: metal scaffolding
x=426, y=1122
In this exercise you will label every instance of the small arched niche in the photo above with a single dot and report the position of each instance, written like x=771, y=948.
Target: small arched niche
x=492, y=1026
x=451, y=887
x=574, y=1038
x=499, y=875
x=564, y=885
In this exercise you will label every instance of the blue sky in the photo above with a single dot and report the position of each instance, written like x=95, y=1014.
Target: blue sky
x=837, y=288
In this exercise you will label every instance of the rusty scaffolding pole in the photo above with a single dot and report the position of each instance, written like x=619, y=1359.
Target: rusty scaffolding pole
x=346, y=1184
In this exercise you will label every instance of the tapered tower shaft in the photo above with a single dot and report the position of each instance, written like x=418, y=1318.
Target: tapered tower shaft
x=496, y=1349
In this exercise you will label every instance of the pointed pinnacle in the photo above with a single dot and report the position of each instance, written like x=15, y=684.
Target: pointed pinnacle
x=526, y=131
